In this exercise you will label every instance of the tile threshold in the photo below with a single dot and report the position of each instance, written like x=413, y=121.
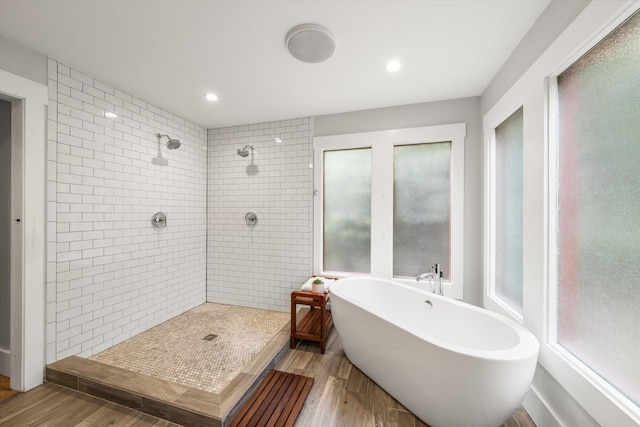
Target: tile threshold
x=170, y=401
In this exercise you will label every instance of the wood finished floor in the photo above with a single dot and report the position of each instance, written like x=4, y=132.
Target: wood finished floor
x=341, y=396
x=56, y=406
x=5, y=389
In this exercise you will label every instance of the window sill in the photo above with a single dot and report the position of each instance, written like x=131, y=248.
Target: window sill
x=603, y=402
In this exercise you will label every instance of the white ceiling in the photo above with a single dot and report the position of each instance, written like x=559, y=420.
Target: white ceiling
x=171, y=52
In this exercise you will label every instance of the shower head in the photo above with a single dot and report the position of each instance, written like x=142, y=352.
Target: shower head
x=243, y=152
x=172, y=144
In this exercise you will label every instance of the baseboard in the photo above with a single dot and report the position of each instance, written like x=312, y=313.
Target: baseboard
x=538, y=411
x=5, y=362
x=550, y=405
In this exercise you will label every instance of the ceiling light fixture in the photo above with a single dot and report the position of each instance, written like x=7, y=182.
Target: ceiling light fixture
x=393, y=66
x=110, y=115
x=310, y=43
x=211, y=97
x=277, y=140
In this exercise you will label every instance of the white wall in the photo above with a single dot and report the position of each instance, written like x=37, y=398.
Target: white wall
x=466, y=110
x=22, y=61
x=555, y=18
x=110, y=274
x=259, y=266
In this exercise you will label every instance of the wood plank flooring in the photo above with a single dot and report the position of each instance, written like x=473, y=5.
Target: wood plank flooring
x=54, y=405
x=5, y=389
x=343, y=396
x=174, y=402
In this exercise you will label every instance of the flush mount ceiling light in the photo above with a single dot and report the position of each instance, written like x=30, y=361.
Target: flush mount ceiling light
x=310, y=43
x=110, y=115
x=211, y=97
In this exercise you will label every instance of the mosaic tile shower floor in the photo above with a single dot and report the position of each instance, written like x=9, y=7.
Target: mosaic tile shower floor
x=176, y=351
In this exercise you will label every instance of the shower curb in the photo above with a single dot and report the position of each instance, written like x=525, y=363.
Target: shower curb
x=177, y=403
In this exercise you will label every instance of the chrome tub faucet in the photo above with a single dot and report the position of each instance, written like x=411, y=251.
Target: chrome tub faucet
x=434, y=276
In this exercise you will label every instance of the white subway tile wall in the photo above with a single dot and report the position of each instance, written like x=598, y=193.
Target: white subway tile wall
x=259, y=266
x=110, y=274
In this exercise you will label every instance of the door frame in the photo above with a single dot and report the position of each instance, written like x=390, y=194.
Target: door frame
x=29, y=101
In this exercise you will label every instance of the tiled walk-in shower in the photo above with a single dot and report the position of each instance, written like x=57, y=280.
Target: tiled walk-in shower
x=177, y=350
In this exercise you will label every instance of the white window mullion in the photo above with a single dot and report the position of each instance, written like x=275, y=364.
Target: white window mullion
x=318, y=195
x=551, y=313
x=457, y=211
x=382, y=211
x=382, y=144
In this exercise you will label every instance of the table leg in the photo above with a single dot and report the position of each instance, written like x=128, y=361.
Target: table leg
x=323, y=313
x=292, y=339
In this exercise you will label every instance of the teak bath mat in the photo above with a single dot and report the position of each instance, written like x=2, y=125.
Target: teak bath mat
x=276, y=403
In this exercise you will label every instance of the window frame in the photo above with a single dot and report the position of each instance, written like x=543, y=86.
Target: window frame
x=491, y=299
x=560, y=354
x=563, y=388
x=382, y=143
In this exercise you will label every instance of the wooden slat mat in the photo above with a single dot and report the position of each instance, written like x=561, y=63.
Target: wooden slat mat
x=276, y=403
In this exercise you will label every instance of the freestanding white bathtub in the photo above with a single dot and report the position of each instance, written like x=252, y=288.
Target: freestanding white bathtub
x=450, y=363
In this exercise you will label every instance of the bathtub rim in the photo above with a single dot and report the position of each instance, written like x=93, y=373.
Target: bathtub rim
x=527, y=347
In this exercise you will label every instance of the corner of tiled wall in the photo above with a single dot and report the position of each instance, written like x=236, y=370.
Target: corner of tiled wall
x=52, y=138
x=259, y=266
x=110, y=274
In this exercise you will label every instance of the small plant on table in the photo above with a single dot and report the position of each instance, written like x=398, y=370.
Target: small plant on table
x=317, y=286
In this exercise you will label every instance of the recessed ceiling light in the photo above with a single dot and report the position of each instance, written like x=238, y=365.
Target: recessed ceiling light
x=110, y=114
x=393, y=66
x=211, y=97
x=277, y=140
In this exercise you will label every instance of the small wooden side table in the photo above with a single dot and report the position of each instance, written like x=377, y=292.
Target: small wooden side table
x=316, y=324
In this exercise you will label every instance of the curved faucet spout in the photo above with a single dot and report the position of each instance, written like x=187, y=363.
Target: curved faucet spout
x=427, y=275
x=435, y=279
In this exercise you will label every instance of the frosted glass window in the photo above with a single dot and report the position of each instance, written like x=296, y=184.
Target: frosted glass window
x=347, y=210
x=599, y=208
x=421, y=208
x=508, y=210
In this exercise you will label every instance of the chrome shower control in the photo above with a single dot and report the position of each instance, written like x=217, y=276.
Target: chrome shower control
x=159, y=219
x=251, y=218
